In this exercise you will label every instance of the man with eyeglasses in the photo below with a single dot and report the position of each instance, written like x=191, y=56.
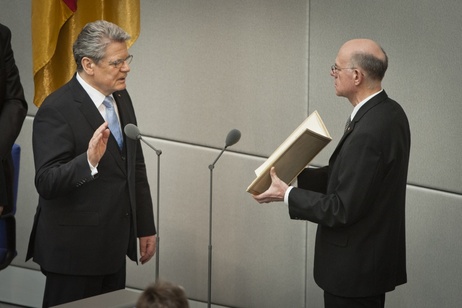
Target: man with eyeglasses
x=358, y=200
x=94, y=196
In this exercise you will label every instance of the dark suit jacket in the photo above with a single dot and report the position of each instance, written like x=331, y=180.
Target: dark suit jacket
x=85, y=225
x=13, y=110
x=360, y=242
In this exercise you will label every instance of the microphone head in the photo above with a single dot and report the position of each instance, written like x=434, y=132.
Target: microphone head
x=132, y=131
x=233, y=137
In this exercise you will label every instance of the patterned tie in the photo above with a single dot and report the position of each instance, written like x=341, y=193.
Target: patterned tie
x=347, y=123
x=113, y=121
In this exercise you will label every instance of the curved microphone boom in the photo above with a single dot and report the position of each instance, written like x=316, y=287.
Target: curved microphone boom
x=133, y=132
x=232, y=138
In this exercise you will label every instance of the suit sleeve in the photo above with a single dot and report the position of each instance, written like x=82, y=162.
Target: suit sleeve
x=314, y=179
x=145, y=225
x=58, y=168
x=145, y=215
x=13, y=110
x=356, y=179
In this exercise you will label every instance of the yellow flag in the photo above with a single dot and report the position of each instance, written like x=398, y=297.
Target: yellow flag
x=55, y=26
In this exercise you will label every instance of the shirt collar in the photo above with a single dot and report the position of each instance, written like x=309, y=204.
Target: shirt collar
x=96, y=96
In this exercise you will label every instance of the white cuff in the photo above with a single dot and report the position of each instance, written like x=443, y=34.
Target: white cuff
x=286, y=195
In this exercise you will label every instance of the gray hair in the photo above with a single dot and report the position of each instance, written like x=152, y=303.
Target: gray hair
x=93, y=40
x=374, y=67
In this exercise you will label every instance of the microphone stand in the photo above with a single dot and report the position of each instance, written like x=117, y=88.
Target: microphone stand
x=158, y=153
x=209, y=297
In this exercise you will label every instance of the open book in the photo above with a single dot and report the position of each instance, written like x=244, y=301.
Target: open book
x=294, y=154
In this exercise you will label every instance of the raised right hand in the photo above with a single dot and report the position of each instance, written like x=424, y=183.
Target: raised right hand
x=98, y=143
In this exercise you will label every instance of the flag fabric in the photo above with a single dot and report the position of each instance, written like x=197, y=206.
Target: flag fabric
x=55, y=26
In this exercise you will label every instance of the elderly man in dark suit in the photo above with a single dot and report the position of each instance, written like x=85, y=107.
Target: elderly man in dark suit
x=13, y=110
x=358, y=201
x=94, y=193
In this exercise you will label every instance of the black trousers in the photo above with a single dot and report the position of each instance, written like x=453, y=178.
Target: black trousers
x=333, y=301
x=60, y=289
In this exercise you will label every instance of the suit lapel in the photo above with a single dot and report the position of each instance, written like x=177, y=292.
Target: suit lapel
x=361, y=112
x=95, y=120
x=86, y=106
x=126, y=116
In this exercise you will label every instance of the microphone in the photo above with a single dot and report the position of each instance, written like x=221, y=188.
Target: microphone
x=133, y=132
x=232, y=138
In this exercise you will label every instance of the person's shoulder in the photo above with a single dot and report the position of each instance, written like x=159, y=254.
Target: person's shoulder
x=386, y=114
x=385, y=103
x=61, y=96
x=4, y=28
x=393, y=106
x=5, y=32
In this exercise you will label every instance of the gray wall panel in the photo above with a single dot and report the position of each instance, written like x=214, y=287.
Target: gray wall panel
x=203, y=67
x=433, y=253
x=247, y=237
x=423, y=75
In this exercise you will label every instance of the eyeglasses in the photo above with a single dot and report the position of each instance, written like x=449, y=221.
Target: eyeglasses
x=120, y=62
x=335, y=69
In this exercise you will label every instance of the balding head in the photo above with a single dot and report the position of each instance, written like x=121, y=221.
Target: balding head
x=368, y=55
x=359, y=69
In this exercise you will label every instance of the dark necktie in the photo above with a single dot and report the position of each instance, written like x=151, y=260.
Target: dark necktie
x=113, y=121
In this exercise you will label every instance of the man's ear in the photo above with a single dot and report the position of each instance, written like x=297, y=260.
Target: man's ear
x=358, y=76
x=88, y=65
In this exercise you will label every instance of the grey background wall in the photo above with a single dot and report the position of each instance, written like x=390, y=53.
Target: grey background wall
x=203, y=67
